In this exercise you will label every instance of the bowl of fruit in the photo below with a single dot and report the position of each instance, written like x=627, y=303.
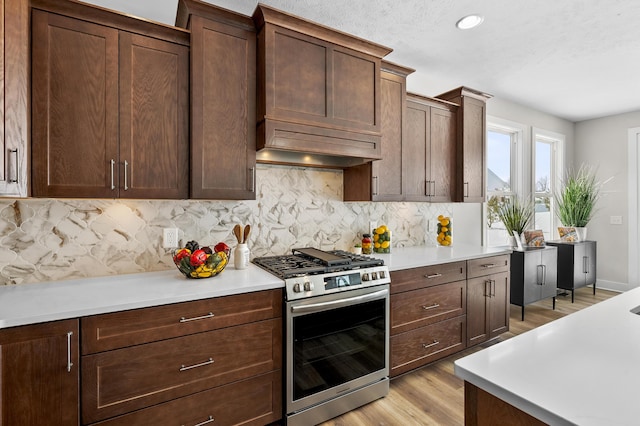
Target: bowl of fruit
x=201, y=262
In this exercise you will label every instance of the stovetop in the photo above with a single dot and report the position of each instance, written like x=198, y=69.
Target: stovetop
x=311, y=261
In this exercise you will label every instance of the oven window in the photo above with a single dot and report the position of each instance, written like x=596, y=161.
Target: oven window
x=336, y=346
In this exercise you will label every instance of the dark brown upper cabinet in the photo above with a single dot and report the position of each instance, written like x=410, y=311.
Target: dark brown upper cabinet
x=318, y=91
x=382, y=180
x=223, y=101
x=14, y=108
x=109, y=104
x=471, y=163
x=428, y=153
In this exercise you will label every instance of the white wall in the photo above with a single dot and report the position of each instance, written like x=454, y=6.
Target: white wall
x=603, y=143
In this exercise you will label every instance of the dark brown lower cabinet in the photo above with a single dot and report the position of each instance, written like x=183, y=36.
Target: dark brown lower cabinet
x=39, y=377
x=254, y=401
x=488, y=285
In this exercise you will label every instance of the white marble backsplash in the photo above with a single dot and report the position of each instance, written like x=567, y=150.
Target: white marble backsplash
x=55, y=239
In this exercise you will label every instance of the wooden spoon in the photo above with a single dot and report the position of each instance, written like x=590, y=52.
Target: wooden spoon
x=236, y=231
x=247, y=229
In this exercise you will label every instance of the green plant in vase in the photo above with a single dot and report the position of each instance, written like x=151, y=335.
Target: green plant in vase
x=577, y=197
x=516, y=215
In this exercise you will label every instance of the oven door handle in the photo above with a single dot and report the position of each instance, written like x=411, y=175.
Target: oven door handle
x=323, y=306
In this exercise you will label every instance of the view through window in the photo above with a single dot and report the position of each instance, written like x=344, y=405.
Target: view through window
x=520, y=169
x=501, y=167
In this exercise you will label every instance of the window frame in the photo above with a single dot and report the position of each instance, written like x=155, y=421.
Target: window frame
x=557, y=142
x=519, y=167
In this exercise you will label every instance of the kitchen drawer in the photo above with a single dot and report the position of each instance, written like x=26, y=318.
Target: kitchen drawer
x=488, y=265
x=417, y=308
x=418, y=347
x=411, y=279
x=128, y=328
x=123, y=380
x=255, y=401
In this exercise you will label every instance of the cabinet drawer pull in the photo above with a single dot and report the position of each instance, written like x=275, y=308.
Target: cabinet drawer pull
x=202, y=364
x=435, y=305
x=17, y=163
x=427, y=276
x=430, y=345
x=209, y=315
x=489, y=265
x=209, y=420
x=69, y=363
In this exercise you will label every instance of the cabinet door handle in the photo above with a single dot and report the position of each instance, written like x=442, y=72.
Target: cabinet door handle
x=252, y=170
x=113, y=163
x=427, y=276
x=201, y=364
x=17, y=163
x=433, y=192
x=466, y=190
x=544, y=274
x=126, y=164
x=69, y=363
x=429, y=345
x=585, y=264
x=209, y=420
x=209, y=315
x=435, y=305
x=493, y=283
x=374, y=183
x=427, y=188
x=539, y=274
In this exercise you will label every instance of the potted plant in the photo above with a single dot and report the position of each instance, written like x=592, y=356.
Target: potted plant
x=357, y=248
x=516, y=216
x=576, y=199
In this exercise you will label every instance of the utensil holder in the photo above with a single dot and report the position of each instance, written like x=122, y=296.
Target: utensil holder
x=241, y=256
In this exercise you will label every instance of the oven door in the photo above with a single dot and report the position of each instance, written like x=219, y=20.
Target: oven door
x=335, y=345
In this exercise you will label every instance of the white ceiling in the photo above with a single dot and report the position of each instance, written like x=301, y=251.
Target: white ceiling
x=576, y=59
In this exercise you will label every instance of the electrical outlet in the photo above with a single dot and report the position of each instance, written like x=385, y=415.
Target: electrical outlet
x=372, y=225
x=170, y=238
x=431, y=225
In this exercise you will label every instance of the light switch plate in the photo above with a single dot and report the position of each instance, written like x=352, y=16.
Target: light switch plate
x=372, y=225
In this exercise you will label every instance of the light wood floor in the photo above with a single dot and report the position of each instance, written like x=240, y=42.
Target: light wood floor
x=433, y=395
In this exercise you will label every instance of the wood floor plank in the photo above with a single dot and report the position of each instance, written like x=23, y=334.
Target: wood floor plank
x=433, y=395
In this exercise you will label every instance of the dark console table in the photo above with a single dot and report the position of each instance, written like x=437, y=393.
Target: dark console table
x=576, y=264
x=533, y=275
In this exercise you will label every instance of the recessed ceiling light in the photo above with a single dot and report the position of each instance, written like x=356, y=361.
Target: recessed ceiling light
x=470, y=21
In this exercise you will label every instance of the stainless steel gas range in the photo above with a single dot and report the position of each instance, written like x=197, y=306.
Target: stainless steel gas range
x=337, y=331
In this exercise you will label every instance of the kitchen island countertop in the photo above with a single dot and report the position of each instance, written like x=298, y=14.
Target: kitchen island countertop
x=56, y=300
x=580, y=369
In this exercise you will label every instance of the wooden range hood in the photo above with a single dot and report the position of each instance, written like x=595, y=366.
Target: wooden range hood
x=318, y=101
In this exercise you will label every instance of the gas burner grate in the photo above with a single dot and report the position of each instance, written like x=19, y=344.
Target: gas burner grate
x=310, y=261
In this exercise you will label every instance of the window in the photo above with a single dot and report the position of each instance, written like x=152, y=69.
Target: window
x=504, y=148
x=517, y=167
x=547, y=150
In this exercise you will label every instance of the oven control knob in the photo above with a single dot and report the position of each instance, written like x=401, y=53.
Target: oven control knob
x=365, y=277
x=381, y=274
x=296, y=288
x=308, y=286
x=374, y=275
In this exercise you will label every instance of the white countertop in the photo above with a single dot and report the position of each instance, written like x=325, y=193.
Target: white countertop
x=41, y=302
x=581, y=369
x=414, y=257
x=49, y=301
